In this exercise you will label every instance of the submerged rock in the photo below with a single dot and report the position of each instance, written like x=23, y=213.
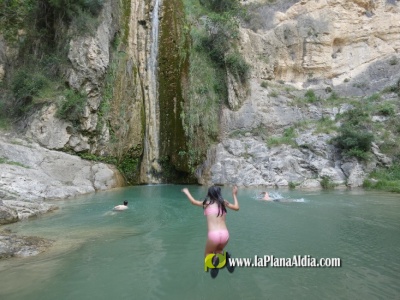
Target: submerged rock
x=7, y=215
x=12, y=245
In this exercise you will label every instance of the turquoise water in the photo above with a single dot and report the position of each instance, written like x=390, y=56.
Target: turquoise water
x=154, y=250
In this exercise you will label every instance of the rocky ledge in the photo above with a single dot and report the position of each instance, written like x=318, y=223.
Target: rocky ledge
x=31, y=176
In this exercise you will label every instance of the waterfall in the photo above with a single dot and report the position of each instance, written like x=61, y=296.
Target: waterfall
x=151, y=143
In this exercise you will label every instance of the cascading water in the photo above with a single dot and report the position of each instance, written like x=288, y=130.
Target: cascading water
x=150, y=164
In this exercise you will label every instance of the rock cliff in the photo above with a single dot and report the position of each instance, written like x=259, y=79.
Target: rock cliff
x=338, y=49
x=31, y=176
x=108, y=68
x=350, y=48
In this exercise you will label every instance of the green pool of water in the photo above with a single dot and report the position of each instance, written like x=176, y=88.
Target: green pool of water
x=154, y=250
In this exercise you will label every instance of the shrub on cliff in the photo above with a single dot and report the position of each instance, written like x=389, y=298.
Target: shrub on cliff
x=237, y=66
x=220, y=6
x=354, y=141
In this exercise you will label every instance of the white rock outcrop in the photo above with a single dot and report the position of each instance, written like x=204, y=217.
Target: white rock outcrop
x=324, y=39
x=30, y=175
x=351, y=47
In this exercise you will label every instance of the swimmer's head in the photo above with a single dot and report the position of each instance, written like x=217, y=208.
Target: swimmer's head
x=126, y=203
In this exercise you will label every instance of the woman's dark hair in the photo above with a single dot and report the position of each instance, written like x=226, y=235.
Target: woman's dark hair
x=214, y=195
x=125, y=203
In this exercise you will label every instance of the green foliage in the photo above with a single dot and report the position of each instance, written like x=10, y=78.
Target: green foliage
x=274, y=94
x=221, y=6
x=44, y=16
x=333, y=97
x=287, y=138
x=13, y=15
x=292, y=185
x=374, y=98
x=264, y=84
x=4, y=122
x=357, y=153
x=129, y=166
x=71, y=106
x=326, y=183
x=105, y=159
x=354, y=141
x=393, y=89
x=80, y=14
x=40, y=28
x=220, y=30
x=212, y=53
x=386, y=109
x=356, y=117
x=10, y=162
x=391, y=174
x=325, y=125
x=27, y=84
x=355, y=134
x=71, y=7
x=385, y=179
x=237, y=66
x=310, y=96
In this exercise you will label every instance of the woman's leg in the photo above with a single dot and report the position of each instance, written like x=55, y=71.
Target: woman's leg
x=211, y=245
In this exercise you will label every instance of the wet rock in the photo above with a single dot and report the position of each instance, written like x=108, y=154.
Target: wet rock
x=12, y=245
x=7, y=215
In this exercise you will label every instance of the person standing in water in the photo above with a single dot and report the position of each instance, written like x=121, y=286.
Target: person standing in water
x=121, y=207
x=214, y=207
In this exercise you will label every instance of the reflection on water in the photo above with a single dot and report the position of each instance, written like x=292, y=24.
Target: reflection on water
x=154, y=250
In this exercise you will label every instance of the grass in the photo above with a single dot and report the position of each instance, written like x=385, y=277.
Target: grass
x=287, y=138
x=311, y=97
x=10, y=162
x=71, y=106
x=4, y=123
x=326, y=183
x=325, y=125
x=274, y=94
x=384, y=179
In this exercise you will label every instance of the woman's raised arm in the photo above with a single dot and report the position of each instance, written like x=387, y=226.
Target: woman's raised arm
x=190, y=197
x=235, y=205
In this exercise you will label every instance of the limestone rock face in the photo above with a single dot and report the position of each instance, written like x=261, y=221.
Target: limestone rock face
x=351, y=47
x=30, y=175
x=324, y=39
x=244, y=156
x=92, y=61
x=48, y=130
x=249, y=162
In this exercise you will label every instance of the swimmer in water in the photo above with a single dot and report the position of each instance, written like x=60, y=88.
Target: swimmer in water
x=214, y=207
x=265, y=196
x=121, y=207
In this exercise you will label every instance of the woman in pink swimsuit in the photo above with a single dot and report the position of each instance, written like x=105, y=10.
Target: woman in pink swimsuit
x=215, y=210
